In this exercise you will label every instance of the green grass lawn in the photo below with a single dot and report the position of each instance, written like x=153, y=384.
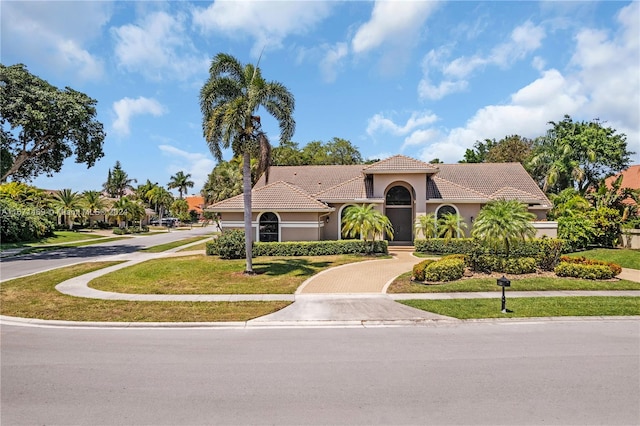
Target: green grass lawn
x=35, y=296
x=41, y=249
x=403, y=284
x=531, y=307
x=211, y=275
x=201, y=246
x=168, y=246
x=626, y=258
x=60, y=237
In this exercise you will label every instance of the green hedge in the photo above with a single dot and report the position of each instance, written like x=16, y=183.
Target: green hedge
x=443, y=246
x=320, y=248
x=418, y=269
x=229, y=245
x=444, y=270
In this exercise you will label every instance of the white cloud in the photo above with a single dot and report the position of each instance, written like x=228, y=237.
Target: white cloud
x=197, y=164
x=55, y=35
x=392, y=22
x=332, y=60
x=379, y=123
x=158, y=47
x=426, y=90
x=126, y=108
x=268, y=23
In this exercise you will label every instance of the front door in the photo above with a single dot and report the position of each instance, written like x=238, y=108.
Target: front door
x=398, y=208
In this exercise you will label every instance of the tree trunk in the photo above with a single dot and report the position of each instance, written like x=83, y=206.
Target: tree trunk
x=248, y=234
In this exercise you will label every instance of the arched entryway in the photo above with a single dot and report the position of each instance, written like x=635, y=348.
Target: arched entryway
x=399, y=210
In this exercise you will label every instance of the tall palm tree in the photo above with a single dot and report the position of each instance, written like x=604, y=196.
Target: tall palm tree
x=69, y=204
x=427, y=225
x=451, y=225
x=366, y=223
x=161, y=198
x=118, y=181
x=93, y=202
x=229, y=101
x=502, y=222
x=181, y=182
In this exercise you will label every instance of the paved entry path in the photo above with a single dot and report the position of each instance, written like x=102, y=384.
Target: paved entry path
x=361, y=277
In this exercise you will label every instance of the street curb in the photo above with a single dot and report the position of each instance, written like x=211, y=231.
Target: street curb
x=256, y=324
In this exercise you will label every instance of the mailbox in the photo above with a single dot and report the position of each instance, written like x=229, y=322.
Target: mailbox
x=504, y=282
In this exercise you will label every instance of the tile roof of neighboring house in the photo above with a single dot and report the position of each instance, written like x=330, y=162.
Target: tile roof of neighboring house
x=285, y=196
x=195, y=202
x=400, y=164
x=312, y=179
x=630, y=179
x=491, y=180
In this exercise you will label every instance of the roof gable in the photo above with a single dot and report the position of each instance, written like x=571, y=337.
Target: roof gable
x=400, y=164
x=312, y=179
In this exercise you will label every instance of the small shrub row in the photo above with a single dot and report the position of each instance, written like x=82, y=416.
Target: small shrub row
x=320, y=248
x=587, y=272
x=450, y=268
x=229, y=245
x=510, y=265
x=615, y=268
x=130, y=230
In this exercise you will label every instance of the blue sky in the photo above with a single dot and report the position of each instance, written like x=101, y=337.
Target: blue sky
x=420, y=78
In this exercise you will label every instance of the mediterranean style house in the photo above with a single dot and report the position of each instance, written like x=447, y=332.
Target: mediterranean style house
x=306, y=203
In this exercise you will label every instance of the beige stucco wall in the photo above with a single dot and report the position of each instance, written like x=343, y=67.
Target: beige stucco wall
x=466, y=210
x=382, y=182
x=546, y=229
x=294, y=226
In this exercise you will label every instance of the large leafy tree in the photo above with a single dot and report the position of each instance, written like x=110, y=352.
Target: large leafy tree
x=510, y=149
x=577, y=155
x=230, y=101
x=224, y=181
x=502, y=222
x=181, y=182
x=42, y=125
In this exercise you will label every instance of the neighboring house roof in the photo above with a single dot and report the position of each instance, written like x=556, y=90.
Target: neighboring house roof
x=195, y=202
x=283, y=195
x=400, y=164
x=490, y=181
x=630, y=179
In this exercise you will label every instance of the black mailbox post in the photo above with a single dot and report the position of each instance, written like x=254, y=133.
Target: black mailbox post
x=504, y=282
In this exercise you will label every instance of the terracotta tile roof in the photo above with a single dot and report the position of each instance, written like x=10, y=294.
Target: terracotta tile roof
x=400, y=164
x=195, y=202
x=312, y=179
x=279, y=195
x=630, y=179
x=357, y=188
x=443, y=189
x=491, y=180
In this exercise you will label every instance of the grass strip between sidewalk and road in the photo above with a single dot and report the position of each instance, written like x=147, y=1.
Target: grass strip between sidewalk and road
x=173, y=244
x=35, y=296
x=199, y=274
x=528, y=307
x=403, y=284
x=43, y=249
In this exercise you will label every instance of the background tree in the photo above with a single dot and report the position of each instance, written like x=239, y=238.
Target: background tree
x=230, y=100
x=47, y=125
x=511, y=149
x=142, y=190
x=479, y=152
x=69, y=205
x=180, y=209
x=287, y=154
x=94, y=203
x=118, y=182
x=502, y=222
x=342, y=152
x=25, y=213
x=225, y=181
x=181, y=182
x=451, y=225
x=577, y=155
x=160, y=198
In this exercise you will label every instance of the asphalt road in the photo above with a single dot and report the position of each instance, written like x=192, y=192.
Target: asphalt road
x=546, y=372
x=16, y=266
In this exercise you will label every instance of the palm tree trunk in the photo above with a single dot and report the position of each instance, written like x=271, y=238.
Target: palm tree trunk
x=248, y=234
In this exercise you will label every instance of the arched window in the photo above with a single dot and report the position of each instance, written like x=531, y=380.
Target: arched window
x=398, y=196
x=269, y=229
x=442, y=210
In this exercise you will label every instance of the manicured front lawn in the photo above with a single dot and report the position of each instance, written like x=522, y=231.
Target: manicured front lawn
x=211, y=275
x=531, y=307
x=403, y=284
x=626, y=258
x=35, y=297
x=173, y=244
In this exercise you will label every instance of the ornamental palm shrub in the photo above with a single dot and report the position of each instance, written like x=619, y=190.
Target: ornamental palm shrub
x=503, y=222
x=366, y=223
x=450, y=226
x=427, y=225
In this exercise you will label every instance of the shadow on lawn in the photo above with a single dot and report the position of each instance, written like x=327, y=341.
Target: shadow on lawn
x=295, y=267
